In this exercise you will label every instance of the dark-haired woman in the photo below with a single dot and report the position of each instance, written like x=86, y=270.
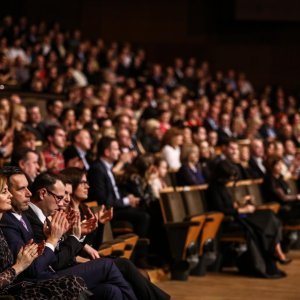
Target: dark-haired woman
x=275, y=188
x=262, y=228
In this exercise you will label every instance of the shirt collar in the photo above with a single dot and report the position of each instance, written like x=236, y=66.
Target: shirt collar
x=18, y=216
x=107, y=165
x=80, y=152
x=38, y=212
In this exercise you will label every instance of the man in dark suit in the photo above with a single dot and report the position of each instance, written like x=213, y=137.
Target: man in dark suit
x=77, y=154
x=256, y=162
x=267, y=130
x=101, y=275
x=224, y=131
x=104, y=190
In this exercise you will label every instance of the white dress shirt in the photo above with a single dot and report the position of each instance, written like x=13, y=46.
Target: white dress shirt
x=111, y=176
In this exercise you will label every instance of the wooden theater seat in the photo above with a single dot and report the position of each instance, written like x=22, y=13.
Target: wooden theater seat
x=182, y=231
x=195, y=205
x=128, y=241
x=255, y=189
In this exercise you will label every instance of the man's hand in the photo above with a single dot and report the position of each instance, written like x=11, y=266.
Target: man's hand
x=133, y=201
x=59, y=226
x=75, y=162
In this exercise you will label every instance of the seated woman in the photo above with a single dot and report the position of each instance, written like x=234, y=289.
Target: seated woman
x=190, y=172
x=275, y=188
x=157, y=176
x=172, y=142
x=262, y=228
x=244, y=161
x=69, y=287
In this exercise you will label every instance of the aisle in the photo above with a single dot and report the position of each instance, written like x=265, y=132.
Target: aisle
x=230, y=285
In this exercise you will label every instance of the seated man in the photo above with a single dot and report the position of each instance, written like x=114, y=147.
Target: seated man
x=28, y=161
x=104, y=190
x=101, y=275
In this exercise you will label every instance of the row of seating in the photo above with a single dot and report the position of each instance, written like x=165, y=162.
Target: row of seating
x=190, y=227
x=189, y=223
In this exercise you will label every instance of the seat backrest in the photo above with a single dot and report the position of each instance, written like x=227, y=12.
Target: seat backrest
x=168, y=179
x=194, y=201
x=293, y=186
x=172, y=206
x=238, y=192
x=107, y=233
x=255, y=191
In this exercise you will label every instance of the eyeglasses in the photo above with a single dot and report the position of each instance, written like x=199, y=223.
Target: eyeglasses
x=57, y=198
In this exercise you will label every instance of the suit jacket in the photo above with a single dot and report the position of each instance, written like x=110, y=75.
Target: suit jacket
x=17, y=236
x=101, y=188
x=68, y=248
x=255, y=171
x=265, y=131
x=186, y=176
x=71, y=152
x=222, y=136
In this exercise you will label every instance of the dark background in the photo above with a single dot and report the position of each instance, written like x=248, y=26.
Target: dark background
x=259, y=37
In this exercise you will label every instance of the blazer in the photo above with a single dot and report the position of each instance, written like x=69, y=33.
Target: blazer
x=68, y=247
x=71, y=152
x=222, y=136
x=17, y=236
x=101, y=188
x=266, y=131
x=186, y=176
x=256, y=172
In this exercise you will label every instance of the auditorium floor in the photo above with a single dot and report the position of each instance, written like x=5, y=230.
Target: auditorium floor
x=230, y=285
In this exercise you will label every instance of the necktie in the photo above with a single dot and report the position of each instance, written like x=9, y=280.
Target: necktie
x=24, y=224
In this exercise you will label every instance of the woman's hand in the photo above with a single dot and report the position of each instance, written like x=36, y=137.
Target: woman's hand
x=76, y=229
x=89, y=225
x=104, y=215
x=248, y=209
x=26, y=256
x=93, y=254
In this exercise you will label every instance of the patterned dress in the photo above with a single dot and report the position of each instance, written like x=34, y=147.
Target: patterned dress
x=67, y=287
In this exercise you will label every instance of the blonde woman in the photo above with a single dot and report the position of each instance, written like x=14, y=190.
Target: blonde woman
x=190, y=172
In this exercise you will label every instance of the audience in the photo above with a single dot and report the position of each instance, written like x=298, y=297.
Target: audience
x=144, y=118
